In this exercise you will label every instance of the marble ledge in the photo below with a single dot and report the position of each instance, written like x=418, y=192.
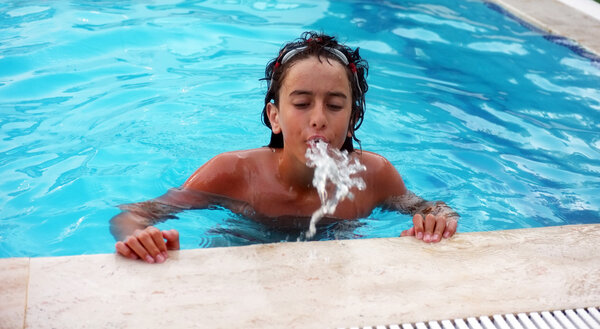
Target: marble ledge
x=333, y=284
x=558, y=18
x=14, y=276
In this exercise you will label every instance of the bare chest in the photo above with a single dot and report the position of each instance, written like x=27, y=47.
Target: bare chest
x=275, y=203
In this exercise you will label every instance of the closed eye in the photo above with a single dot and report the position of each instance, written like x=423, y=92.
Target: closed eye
x=301, y=105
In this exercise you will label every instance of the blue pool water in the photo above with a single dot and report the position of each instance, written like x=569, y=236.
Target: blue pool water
x=110, y=103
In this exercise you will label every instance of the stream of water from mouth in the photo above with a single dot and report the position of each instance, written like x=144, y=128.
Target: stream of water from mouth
x=333, y=178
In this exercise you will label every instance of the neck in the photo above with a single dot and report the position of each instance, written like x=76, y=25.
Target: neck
x=295, y=174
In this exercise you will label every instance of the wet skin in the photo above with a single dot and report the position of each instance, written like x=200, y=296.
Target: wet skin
x=314, y=103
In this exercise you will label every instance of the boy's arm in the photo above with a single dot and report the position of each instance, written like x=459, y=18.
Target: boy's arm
x=431, y=220
x=412, y=204
x=138, y=216
x=133, y=228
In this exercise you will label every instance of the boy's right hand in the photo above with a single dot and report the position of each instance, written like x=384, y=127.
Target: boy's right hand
x=149, y=244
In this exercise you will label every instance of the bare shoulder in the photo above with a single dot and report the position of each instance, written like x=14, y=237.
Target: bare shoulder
x=381, y=175
x=227, y=173
x=375, y=163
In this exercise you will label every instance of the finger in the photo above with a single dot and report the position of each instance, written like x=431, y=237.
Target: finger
x=418, y=226
x=451, y=227
x=440, y=226
x=429, y=226
x=134, y=244
x=125, y=251
x=146, y=239
x=409, y=232
x=159, y=242
x=172, y=237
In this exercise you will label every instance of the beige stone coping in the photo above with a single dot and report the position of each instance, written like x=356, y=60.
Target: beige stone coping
x=327, y=284
x=558, y=18
x=14, y=273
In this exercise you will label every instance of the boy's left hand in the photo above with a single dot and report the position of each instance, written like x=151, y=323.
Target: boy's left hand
x=432, y=228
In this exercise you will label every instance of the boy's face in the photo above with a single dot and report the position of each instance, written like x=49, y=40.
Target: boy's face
x=315, y=102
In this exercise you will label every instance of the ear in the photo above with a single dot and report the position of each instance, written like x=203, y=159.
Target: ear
x=273, y=114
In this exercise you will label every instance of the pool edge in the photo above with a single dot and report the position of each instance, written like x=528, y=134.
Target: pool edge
x=558, y=19
x=318, y=280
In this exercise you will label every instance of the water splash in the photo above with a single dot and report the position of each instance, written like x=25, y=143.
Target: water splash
x=332, y=179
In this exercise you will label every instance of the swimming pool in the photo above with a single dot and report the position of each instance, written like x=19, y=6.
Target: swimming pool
x=103, y=104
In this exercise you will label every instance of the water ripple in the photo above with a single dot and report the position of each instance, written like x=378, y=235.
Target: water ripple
x=103, y=103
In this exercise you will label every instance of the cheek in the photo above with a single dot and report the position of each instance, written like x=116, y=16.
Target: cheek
x=290, y=125
x=346, y=121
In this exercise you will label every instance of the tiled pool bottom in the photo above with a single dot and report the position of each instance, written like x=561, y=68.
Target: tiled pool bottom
x=326, y=284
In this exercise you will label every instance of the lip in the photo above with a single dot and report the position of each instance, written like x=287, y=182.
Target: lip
x=317, y=138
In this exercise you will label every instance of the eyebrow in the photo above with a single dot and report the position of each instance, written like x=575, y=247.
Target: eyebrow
x=330, y=94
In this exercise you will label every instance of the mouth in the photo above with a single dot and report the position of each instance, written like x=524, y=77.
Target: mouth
x=314, y=140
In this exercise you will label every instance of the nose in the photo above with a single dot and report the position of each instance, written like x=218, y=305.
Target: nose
x=318, y=117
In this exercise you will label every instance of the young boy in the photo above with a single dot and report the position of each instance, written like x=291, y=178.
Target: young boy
x=316, y=93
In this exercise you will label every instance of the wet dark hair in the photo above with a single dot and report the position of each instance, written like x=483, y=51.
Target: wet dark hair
x=319, y=45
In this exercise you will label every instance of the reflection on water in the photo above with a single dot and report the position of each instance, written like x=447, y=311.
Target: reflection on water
x=105, y=103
